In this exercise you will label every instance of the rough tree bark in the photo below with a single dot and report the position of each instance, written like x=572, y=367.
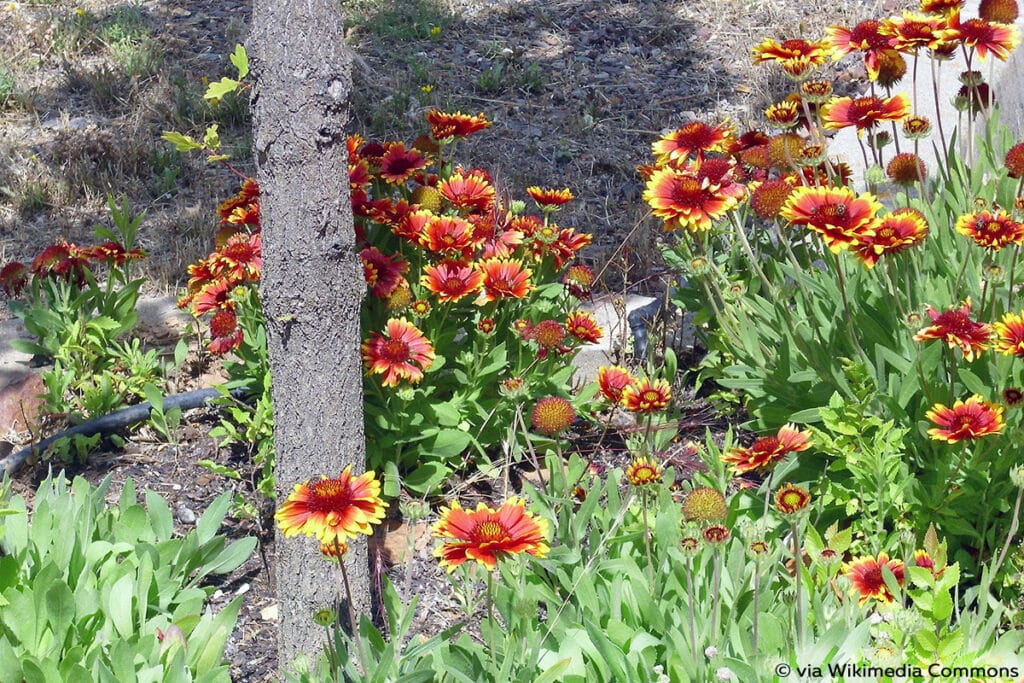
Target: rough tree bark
x=312, y=283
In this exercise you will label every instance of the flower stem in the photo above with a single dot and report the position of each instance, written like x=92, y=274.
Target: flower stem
x=1013, y=268
x=757, y=597
x=693, y=624
x=647, y=539
x=490, y=618
x=799, y=565
x=1014, y=525
x=716, y=584
x=351, y=610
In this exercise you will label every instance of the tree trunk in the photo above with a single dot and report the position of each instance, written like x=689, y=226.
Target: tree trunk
x=312, y=284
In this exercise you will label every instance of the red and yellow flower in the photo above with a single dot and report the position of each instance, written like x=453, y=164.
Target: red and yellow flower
x=449, y=235
x=865, y=574
x=914, y=31
x=452, y=280
x=397, y=353
x=399, y=164
x=991, y=230
x=956, y=328
x=445, y=126
x=583, y=326
x=970, y=419
x=894, y=232
x=487, y=535
x=383, y=274
x=613, y=380
x=225, y=333
x=791, y=499
x=838, y=214
x=983, y=36
x=333, y=510
x=552, y=415
x=767, y=450
x=504, y=279
x=796, y=56
x=472, y=191
x=866, y=37
x=1009, y=331
x=863, y=112
x=643, y=471
x=687, y=199
x=694, y=139
x=646, y=396
x=549, y=199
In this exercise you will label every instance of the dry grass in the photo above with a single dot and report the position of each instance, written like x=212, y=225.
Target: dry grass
x=577, y=91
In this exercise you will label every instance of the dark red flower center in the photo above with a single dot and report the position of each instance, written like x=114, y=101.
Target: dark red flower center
x=328, y=495
x=767, y=444
x=688, y=192
x=489, y=532
x=956, y=323
x=395, y=351
x=865, y=35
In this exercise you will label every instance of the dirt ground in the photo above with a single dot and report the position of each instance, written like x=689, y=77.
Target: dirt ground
x=577, y=91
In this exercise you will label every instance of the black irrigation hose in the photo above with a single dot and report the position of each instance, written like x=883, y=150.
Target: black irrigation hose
x=112, y=422
x=642, y=318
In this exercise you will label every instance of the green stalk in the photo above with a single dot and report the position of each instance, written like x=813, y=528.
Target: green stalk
x=351, y=610
x=693, y=624
x=798, y=559
x=647, y=539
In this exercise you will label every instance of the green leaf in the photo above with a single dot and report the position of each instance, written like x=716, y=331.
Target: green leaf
x=212, y=138
x=450, y=443
x=241, y=61
x=119, y=606
x=183, y=143
x=217, y=90
x=60, y=610
x=426, y=477
x=208, y=524
x=942, y=606
x=222, y=470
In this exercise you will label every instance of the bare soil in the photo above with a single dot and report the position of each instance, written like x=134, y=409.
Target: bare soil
x=577, y=91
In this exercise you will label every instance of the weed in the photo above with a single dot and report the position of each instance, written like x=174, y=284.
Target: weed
x=400, y=20
x=32, y=198
x=8, y=87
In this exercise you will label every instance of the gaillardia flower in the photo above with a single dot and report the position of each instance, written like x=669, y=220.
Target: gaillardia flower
x=894, y=232
x=689, y=199
x=488, y=535
x=470, y=191
x=643, y=471
x=333, y=509
x=865, y=574
x=645, y=396
x=394, y=353
x=693, y=140
x=552, y=415
x=983, y=36
x=791, y=499
x=504, y=279
x=863, y=112
x=968, y=419
x=458, y=125
x=452, y=280
x=767, y=450
x=866, y=37
x=957, y=329
x=796, y=56
x=705, y=505
x=840, y=216
x=400, y=164
x=549, y=199
x=1010, y=334
x=613, y=380
x=990, y=230
x=583, y=326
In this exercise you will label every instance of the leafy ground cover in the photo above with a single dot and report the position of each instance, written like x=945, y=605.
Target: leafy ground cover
x=630, y=550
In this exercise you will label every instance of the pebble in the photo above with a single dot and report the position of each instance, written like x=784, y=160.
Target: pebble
x=185, y=514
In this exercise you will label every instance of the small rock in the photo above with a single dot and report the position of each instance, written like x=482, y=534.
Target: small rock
x=243, y=589
x=185, y=515
x=20, y=402
x=269, y=613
